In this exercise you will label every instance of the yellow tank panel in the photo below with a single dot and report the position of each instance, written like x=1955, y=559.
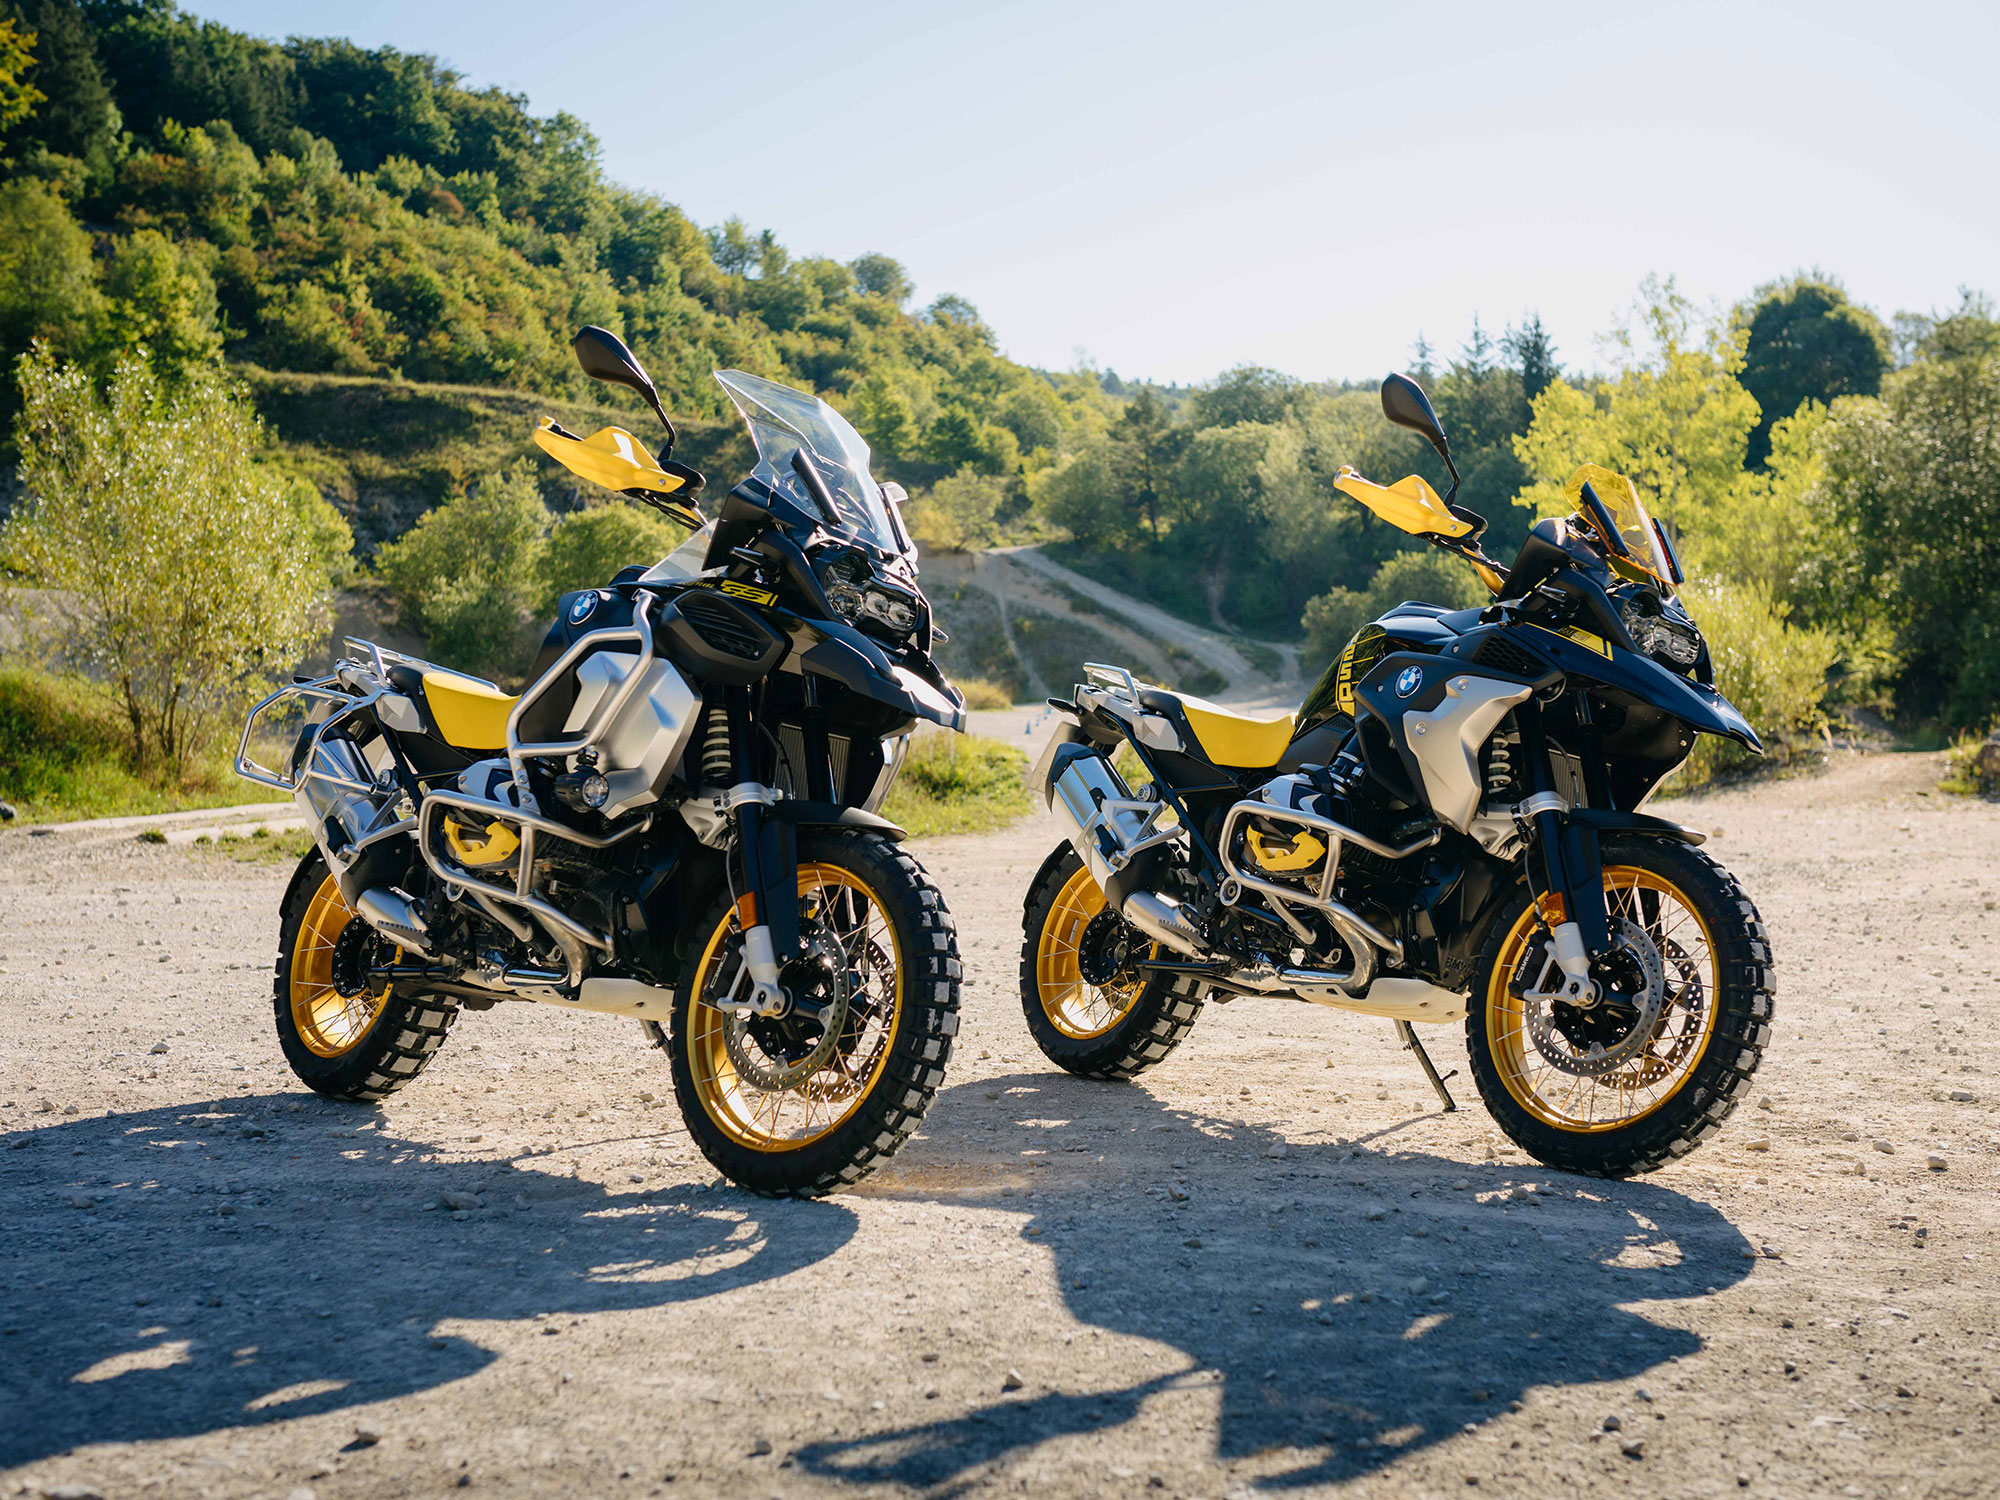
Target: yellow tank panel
x=469, y=714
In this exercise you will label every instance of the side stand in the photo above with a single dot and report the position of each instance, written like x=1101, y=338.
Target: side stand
x=1408, y=1035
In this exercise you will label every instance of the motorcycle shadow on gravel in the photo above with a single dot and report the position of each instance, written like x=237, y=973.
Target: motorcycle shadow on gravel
x=175, y=1271
x=1347, y=1304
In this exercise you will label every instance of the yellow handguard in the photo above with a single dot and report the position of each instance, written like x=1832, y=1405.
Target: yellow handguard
x=614, y=458
x=1408, y=505
x=1411, y=505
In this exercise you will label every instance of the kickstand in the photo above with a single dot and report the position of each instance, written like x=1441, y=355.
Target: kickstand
x=1408, y=1034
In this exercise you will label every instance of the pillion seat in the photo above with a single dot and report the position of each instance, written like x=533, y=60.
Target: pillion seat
x=1233, y=740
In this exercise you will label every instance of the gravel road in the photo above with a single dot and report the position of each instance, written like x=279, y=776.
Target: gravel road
x=1270, y=1266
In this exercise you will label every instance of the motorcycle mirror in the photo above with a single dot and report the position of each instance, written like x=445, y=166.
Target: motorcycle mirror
x=1405, y=404
x=603, y=356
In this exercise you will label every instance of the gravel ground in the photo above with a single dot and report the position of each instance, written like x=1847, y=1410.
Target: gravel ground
x=1271, y=1265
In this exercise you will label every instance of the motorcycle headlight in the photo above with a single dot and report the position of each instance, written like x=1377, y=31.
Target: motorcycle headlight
x=896, y=611
x=1670, y=641
x=861, y=597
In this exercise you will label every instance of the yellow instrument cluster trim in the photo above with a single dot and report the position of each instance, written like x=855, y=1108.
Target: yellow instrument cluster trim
x=469, y=714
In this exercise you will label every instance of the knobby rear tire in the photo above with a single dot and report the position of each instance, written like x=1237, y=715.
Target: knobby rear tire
x=400, y=1041
x=1157, y=1022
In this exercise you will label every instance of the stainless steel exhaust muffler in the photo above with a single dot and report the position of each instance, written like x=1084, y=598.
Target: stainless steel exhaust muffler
x=1110, y=828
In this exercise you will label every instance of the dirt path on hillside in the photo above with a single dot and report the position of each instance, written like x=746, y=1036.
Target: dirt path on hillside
x=1268, y=1267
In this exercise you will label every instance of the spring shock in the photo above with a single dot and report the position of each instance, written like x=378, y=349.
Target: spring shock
x=718, y=768
x=1500, y=768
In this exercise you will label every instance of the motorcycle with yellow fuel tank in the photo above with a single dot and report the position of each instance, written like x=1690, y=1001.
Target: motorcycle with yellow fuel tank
x=1453, y=826
x=677, y=820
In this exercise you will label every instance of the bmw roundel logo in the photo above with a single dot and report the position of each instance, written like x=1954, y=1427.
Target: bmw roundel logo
x=582, y=608
x=1408, y=681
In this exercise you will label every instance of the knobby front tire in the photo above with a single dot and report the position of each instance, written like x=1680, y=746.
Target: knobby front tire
x=797, y=1108
x=1678, y=1089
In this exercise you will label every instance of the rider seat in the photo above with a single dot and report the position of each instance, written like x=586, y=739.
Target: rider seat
x=1233, y=740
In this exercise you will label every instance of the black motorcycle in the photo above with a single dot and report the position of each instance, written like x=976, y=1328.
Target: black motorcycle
x=678, y=820
x=1453, y=826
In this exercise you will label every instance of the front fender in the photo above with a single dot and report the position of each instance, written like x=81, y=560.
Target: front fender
x=1695, y=704
x=857, y=663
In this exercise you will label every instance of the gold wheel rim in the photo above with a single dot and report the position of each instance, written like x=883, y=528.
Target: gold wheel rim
x=329, y=1023
x=1590, y=1106
x=1074, y=1006
x=787, y=1119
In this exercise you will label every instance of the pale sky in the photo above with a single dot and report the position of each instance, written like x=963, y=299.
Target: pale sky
x=1176, y=188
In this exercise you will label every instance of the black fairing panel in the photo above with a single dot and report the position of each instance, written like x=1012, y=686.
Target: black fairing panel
x=1603, y=664
x=912, y=689
x=714, y=638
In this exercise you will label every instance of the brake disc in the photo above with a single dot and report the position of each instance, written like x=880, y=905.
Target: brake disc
x=779, y=1053
x=1632, y=943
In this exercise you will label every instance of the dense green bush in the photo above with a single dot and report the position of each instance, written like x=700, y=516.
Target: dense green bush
x=1772, y=670
x=588, y=548
x=469, y=573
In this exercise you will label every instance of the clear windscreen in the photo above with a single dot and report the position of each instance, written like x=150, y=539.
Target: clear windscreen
x=782, y=421
x=1628, y=516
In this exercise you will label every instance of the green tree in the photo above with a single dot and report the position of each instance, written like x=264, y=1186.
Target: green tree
x=1912, y=530
x=958, y=440
x=882, y=414
x=1248, y=393
x=588, y=548
x=1534, y=355
x=159, y=298
x=48, y=284
x=1484, y=405
x=960, y=512
x=470, y=573
x=18, y=97
x=1767, y=536
x=880, y=276
x=1672, y=417
x=1145, y=446
x=78, y=118
x=1805, y=341
x=1079, y=494
x=1034, y=414
x=196, y=574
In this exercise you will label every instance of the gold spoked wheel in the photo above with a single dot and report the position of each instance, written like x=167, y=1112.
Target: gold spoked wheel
x=1560, y=1069
x=329, y=1023
x=1075, y=1005
x=779, y=1083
